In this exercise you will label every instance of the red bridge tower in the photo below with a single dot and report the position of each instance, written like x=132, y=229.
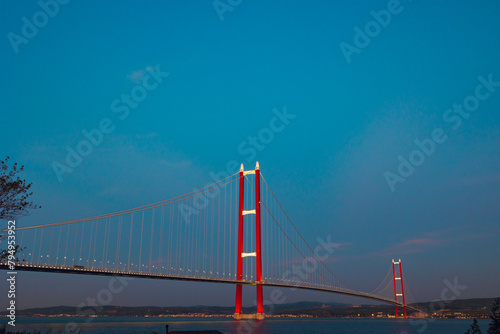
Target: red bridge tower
x=239, y=268
x=400, y=279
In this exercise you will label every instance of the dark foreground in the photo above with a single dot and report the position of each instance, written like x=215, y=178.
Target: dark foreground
x=147, y=325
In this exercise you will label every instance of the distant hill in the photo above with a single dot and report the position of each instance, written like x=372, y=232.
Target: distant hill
x=155, y=310
x=472, y=307
x=477, y=307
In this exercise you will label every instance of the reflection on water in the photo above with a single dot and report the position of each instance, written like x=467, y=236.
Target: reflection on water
x=111, y=325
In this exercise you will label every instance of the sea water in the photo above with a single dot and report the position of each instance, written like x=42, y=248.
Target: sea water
x=147, y=325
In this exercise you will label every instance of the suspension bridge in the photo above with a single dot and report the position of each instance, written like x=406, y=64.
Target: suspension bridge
x=233, y=231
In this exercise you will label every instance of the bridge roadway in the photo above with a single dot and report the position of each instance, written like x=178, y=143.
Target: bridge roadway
x=26, y=266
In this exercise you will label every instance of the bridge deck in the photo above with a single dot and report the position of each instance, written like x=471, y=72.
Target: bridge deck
x=24, y=266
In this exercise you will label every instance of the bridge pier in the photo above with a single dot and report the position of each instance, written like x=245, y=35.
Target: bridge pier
x=249, y=316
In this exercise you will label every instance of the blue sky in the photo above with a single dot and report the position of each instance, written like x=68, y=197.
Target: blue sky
x=353, y=119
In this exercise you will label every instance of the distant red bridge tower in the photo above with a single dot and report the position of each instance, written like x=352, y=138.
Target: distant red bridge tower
x=400, y=279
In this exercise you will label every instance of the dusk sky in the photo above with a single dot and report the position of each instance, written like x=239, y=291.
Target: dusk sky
x=388, y=138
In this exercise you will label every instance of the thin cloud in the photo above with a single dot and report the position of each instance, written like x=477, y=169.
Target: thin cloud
x=428, y=241
x=138, y=75
x=481, y=180
x=424, y=243
x=418, y=245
